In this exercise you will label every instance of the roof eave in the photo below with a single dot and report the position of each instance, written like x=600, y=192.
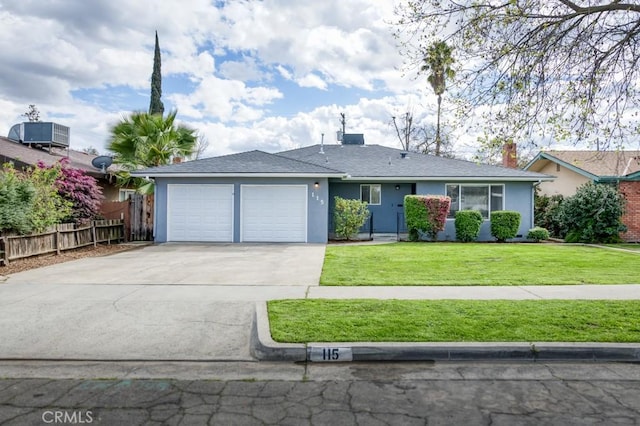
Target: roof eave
x=630, y=177
x=450, y=178
x=575, y=169
x=226, y=175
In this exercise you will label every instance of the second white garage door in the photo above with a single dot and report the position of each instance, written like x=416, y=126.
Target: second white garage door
x=200, y=212
x=274, y=213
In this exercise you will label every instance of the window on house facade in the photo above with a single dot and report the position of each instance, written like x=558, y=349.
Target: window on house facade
x=372, y=194
x=125, y=194
x=483, y=198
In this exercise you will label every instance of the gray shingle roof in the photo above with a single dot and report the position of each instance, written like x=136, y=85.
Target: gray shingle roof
x=367, y=161
x=376, y=161
x=250, y=162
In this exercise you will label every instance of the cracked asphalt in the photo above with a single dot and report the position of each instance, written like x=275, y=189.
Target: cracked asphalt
x=322, y=394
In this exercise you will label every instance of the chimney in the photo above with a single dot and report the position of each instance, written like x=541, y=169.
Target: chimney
x=510, y=155
x=177, y=160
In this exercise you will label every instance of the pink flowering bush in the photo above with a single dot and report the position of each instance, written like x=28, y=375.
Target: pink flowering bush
x=81, y=190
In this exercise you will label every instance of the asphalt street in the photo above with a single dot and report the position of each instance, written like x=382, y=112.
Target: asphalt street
x=320, y=394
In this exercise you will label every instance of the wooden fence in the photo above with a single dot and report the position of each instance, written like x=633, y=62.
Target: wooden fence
x=137, y=214
x=62, y=237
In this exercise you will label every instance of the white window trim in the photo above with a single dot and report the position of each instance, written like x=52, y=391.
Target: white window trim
x=370, y=185
x=478, y=184
x=126, y=193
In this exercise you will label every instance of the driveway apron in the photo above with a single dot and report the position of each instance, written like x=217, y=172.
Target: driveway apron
x=160, y=302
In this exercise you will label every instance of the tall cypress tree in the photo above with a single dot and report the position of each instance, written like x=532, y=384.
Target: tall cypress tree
x=156, y=106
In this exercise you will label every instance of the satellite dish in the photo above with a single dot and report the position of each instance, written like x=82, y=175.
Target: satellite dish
x=102, y=162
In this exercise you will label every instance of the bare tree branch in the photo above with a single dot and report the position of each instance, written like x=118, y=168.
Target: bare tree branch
x=554, y=70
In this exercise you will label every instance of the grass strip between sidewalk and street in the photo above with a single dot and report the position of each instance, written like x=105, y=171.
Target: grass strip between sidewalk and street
x=367, y=320
x=477, y=264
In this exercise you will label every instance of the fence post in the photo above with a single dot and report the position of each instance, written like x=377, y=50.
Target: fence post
x=93, y=233
x=57, y=239
x=4, y=251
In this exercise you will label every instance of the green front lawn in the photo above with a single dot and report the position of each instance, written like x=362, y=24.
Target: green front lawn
x=626, y=246
x=311, y=320
x=477, y=264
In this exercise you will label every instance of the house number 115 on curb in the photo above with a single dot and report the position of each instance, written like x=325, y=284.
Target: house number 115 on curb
x=328, y=354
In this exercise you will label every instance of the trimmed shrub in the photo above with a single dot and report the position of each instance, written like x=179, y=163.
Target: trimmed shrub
x=349, y=216
x=505, y=224
x=538, y=234
x=593, y=214
x=468, y=223
x=426, y=214
x=415, y=214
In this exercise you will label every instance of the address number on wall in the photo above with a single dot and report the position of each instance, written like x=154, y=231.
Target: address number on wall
x=329, y=354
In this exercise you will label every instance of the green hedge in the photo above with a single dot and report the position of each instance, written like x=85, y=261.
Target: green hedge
x=505, y=224
x=426, y=213
x=538, y=234
x=468, y=223
x=349, y=216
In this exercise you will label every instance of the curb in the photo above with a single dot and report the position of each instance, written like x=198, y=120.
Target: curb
x=264, y=348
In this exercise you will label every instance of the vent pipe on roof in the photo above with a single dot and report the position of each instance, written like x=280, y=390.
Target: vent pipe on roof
x=322, y=144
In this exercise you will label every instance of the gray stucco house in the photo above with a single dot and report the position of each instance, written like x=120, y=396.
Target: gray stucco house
x=288, y=197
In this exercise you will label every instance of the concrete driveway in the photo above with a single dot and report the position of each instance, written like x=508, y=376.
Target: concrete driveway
x=160, y=302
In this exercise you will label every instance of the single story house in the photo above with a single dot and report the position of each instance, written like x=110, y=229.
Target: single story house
x=24, y=155
x=575, y=168
x=288, y=197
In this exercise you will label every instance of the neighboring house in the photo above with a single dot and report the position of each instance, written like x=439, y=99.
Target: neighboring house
x=22, y=155
x=575, y=168
x=288, y=197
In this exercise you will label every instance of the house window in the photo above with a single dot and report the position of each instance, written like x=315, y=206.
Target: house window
x=371, y=193
x=125, y=194
x=483, y=198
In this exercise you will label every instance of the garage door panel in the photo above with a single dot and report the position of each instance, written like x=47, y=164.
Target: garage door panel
x=274, y=213
x=200, y=212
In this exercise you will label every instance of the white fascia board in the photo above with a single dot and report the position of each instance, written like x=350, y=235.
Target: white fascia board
x=449, y=178
x=244, y=175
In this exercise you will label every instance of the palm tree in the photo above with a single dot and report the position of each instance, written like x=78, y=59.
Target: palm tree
x=148, y=140
x=438, y=60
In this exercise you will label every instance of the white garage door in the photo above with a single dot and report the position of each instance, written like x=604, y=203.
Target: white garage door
x=274, y=213
x=200, y=212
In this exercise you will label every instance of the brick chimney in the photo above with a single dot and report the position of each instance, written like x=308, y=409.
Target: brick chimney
x=177, y=160
x=510, y=155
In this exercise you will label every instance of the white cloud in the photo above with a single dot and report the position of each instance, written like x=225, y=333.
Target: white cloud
x=220, y=67
x=312, y=80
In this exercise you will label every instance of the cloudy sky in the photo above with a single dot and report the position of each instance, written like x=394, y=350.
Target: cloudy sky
x=269, y=75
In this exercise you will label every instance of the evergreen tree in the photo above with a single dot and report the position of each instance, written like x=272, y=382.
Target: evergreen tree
x=156, y=106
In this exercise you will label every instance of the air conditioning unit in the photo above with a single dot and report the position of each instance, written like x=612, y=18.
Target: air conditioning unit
x=40, y=133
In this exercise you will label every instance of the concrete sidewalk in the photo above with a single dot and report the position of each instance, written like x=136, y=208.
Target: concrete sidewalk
x=585, y=291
